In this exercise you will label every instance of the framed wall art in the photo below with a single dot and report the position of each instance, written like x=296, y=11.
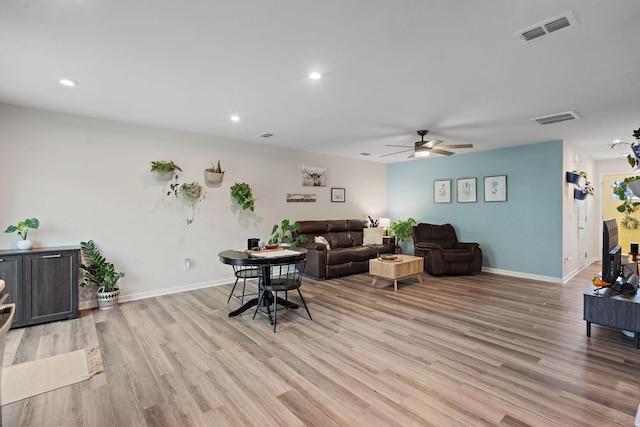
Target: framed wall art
x=296, y=197
x=338, y=195
x=466, y=190
x=442, y=191
x=313, y=176
x=495, y=188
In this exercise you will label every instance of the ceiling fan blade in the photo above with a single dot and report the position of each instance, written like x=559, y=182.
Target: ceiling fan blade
x=439, y=151
x=456, y=146
x=403, y=146
x=432, y=143
x=397, y=152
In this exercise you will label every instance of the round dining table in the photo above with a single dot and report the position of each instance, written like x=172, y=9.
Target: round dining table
x=263, y=262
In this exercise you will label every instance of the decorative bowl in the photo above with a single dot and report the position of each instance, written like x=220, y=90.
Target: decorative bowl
x=271, y=245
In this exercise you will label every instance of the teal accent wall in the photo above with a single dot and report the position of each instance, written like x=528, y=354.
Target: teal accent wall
x=521, y=235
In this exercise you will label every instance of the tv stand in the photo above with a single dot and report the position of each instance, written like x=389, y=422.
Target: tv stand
x=609, y=308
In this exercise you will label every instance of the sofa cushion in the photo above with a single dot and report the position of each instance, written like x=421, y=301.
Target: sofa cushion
x=372, y=236
x=340, y=240
x=346, y=255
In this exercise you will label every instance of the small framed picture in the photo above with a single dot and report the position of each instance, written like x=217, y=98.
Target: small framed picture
x=466, y=190
x=442, y=191
x=495, y=188
x=337, y=195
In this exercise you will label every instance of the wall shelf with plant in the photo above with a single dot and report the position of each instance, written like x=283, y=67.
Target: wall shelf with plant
x=630, y=186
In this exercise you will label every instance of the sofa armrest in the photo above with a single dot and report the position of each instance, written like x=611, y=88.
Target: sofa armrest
x=465, y=245
x=316, y=259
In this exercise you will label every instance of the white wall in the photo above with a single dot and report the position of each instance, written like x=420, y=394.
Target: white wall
x=89, y=179
x=574, y=159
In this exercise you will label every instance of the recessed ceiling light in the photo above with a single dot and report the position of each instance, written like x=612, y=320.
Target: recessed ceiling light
x=235, y=118
x=315, y=75
x=67, y=82
x=617, y=141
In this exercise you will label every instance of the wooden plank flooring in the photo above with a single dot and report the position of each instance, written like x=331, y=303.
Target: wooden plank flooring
x=476, y=350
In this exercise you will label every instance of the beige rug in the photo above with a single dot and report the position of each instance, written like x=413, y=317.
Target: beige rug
x=43, y=375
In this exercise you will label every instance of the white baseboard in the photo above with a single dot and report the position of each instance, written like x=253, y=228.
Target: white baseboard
x=522, y=275
x=142, y=295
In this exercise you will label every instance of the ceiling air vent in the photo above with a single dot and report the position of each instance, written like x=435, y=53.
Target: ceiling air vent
x=551, y=25
x=556, y=118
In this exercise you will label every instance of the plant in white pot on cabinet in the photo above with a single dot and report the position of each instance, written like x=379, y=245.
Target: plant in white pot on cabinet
x=102, y=273
x=23, y=228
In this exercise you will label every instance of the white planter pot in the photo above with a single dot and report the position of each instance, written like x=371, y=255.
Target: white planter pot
x=213, y=177
x=24, y=244
x=634, y=186
x=163, y=176
x=107, y=300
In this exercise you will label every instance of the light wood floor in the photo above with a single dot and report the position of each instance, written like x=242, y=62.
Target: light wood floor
x=469, y=351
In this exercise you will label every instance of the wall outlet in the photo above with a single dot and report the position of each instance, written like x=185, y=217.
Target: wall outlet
x=187, y=264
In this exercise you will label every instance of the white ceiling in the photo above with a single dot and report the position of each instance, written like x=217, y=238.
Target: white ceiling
x=391, y=67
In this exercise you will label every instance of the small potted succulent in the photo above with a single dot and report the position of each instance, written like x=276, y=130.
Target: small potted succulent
x=164, y=170
x=214, y=174
x=23, y=228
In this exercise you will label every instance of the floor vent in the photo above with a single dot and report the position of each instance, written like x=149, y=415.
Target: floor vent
x=556, y=118
x=557, y=23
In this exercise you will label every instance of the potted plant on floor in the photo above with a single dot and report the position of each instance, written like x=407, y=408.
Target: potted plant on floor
x=284, y=236
x=23, y=228
x=102, y=273
x=402, y=231
x=214, y=174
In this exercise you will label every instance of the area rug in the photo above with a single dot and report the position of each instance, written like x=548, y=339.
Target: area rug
x=40, y=376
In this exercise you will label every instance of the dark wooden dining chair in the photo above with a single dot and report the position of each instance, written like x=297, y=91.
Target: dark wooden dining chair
x=244, y=273
x=283, y=277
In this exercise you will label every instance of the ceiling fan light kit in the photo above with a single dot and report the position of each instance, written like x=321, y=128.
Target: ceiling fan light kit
x=424, y=148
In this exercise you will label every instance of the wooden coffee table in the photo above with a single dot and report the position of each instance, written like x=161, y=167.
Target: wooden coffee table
x=402, y=267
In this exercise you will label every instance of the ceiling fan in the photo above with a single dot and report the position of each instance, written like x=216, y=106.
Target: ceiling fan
x=424, y=148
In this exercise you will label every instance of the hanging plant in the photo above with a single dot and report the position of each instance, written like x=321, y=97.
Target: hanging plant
x=241, y=192
x=622, y=189
x=165, y=169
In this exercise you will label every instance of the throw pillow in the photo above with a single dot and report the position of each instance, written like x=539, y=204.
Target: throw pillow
x=372, y=236
x=321, y=239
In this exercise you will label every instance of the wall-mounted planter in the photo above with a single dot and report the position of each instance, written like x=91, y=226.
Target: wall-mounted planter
x=634, y=186
x=163, y=176
x=579, y=194
x=573, y=178
x=212, y=178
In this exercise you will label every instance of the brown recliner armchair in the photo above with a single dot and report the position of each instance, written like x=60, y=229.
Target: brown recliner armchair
x=442, y=252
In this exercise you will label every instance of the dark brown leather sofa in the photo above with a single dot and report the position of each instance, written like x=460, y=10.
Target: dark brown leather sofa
x=442, y=252
x=347, y=255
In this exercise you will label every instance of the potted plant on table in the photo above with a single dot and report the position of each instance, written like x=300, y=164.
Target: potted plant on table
x=402, y=231
x=284, y=236
x=102, y=273
x=23, y=228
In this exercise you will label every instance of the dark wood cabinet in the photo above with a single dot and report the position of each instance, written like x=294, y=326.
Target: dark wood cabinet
x=42, y=282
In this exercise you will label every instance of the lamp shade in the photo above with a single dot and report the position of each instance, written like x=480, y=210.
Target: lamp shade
x=384, y=222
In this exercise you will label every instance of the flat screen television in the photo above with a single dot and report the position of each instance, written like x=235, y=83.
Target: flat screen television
x=611, y=251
